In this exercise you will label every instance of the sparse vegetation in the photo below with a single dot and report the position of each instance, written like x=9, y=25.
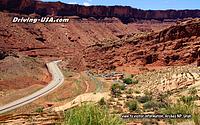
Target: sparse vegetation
x=67, y=73
x=32, y=59
x=188, y=99
x=182, y=108
x=135, y=81
x=137, y=92
x=151, y=99
x=144, y=99
x=128, y=81
x=122, y=87
x=39, y=109
x=116, y=88
x=185, y=105
x=91, y=114
x=150, y=105
x=102, y=101
x=193, y=91
x=132, y=105
x=130, y=91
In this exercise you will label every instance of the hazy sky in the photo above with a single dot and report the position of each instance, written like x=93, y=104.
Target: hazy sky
x=142, y=4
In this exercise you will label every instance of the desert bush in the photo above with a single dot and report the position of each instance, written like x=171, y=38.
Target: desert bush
x=130, y=91
x=102, y=101
x=143, y=99
x=91, y=114
x=132, y=105
x=182, y=108
x=128, y=81
x=193, y=91
x=162, y=97
x=132, y=75
x=196, y=118
x=188, y=99
x=150, y=105
x=39, y=110
x=122, y=87
x=116, y=88
x=137, y=92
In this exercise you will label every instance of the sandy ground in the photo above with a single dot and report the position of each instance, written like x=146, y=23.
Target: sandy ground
x=86, y=97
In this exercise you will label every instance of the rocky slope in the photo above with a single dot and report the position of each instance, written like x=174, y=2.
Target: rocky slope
x=49, y=118
x=125, y=13
x=66, y=41
x=80, y=41
x=176, y=45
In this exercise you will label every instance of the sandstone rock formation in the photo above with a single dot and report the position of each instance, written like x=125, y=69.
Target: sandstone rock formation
x=125, y=13
x=176, y=45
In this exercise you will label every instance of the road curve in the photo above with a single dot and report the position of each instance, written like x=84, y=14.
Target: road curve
x=57, y=80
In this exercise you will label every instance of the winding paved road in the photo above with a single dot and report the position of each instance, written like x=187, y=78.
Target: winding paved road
x=58, y=79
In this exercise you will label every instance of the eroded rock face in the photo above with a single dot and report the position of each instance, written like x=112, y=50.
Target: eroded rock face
x=36, y=118
x=125, y=13
x=22, y=6
x=176, y=45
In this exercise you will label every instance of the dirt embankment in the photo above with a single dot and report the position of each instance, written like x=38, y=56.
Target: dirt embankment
x=21, y=72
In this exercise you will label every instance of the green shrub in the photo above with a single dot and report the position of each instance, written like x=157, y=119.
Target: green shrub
x=178, y=108
x=102, y=101
x=150, y=105
x=137, y=92
x=91, y=114
x=193, y=91
x=162, y=97
x=148, y=93
x=122, y=87
x=143, y=99
x=116, y=88
x=128, y=81
x=39, y=110
x=196, y=118
x=132, y=75
x=182, y=108
x=132, y=105
x=130, y=91
x=188, y=99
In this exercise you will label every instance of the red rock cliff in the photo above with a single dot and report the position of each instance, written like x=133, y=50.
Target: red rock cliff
x=125, y=13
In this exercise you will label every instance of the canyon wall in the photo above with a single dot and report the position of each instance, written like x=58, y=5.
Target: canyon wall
x=125, y=13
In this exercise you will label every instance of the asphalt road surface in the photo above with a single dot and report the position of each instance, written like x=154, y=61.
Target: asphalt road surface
x=57, y=80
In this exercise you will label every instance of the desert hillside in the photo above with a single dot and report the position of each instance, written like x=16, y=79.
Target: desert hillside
x=114, y=60
x=176, y=45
